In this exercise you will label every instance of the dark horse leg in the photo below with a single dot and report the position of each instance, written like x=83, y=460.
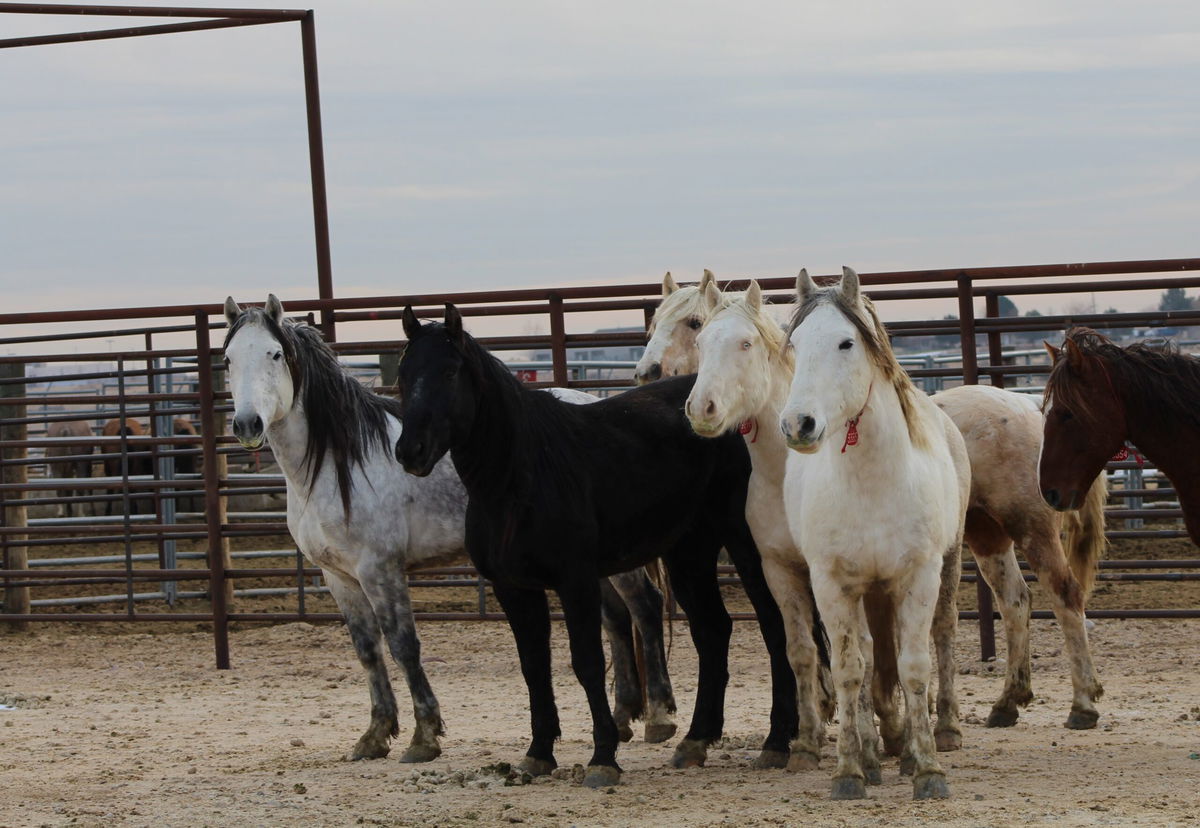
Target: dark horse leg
x=528, y=615
x=627, y=689
x=692, y=567
x=364, y=632
x=580, y=597
x=785, y=716
x=645, y=603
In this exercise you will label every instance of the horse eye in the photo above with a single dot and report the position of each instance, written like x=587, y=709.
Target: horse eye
x=694, y=323
x=847, y=345
x=277, y=356
x=746, y=345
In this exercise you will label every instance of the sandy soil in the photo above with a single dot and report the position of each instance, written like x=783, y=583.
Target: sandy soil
x=117, y=726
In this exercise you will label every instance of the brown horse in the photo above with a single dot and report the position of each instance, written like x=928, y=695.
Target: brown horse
x=79, y=467
x=1099, y=395
x=142, y=465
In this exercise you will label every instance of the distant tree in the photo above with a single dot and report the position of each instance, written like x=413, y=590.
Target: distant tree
x=1007, y=307
x=1033, y=312
x=1175, y=299
x=1118, y=333
x=1033, y=337
x=947, y=340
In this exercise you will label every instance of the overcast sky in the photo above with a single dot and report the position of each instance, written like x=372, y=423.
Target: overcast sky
x=475, y=145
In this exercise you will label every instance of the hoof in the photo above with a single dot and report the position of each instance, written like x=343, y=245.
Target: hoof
x=368, y=750
x=848, y=787
x=656, y=733
x=601, y=776
x=624, y=732
x=931, y=786
x=947, y=740
x=874, y=775
x=537, y=767
x=801, y=761
x=1002, y=717
x=770, y=759
x=690, y=753
x=908, y=766
x=1082, y=719
x=421, y=753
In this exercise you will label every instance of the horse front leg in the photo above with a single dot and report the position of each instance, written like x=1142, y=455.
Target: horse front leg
x=997, y=562
x=387, y=589
x=364, y=633
x=840, y=612
x=644, y=602
x=694, y=582
x=580, y=599
x=528, y=615
x=916, y=604
x=1045, y=556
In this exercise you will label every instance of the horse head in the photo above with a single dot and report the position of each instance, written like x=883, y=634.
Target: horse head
x=436, y=390
x=1085, y=421
x=260, y=368
x=671, y=349
x=832, y=344
x=734, y=350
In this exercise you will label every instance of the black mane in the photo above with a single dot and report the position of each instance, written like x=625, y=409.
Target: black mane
x=344, y=418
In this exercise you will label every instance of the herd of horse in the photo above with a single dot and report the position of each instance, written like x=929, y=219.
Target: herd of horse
x=71, y=456
x=841, y=493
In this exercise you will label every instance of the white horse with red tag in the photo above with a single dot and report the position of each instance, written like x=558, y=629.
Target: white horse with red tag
x=876, y=496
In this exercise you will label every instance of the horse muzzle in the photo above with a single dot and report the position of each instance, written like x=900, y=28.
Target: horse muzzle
x=416, y=456
x=1056, y=500
x=801, y=433
x=652, y=373
x=249, y=432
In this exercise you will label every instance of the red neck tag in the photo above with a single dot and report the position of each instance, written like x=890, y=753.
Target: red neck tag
x=747, y=427
x=852, y=423
x=1123, y=453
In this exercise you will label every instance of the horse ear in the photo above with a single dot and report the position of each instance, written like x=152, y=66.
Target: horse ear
x=669, y=285
x=850, y=286
x=707, y=279
x=232, y=311
x=754, y=296
x=1074, y=355
x=805, y=286
x=412, y=325
x=1054, y=353
x=274, y=308
x=454, y=325
x=712, y=296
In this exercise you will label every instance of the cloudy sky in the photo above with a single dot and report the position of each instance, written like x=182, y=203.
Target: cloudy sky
x=477, y=145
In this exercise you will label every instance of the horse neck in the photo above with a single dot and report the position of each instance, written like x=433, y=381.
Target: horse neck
x=884, y=441
x=288, y=438
x=486, y=460
x=1172, y=447
x=765, y=442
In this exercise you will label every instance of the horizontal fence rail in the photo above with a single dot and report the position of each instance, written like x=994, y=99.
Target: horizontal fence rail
x=176, y=522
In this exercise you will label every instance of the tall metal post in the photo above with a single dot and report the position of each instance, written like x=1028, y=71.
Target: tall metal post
x=217, y=562
x=316, y=163
x=558, y=340
x=16, y=554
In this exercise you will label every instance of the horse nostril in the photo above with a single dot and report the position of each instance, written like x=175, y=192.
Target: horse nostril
x=710, y=409
x=258, y=425
x=654, y=371
x=1051, y=497
x=807, y=425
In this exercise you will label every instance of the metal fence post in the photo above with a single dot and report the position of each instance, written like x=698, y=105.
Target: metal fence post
x=970, y=366
x=16, y=554
x=218, y=552
x=558, y=340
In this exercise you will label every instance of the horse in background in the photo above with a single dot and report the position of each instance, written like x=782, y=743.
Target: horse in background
x=1100, y=395
x=876, y=496
x=1002, y=430
x=137, y=463
x=671, y=346
x=562, y=494
x=73, y=463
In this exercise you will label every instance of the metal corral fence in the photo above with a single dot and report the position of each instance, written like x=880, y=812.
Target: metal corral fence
x=161, y=520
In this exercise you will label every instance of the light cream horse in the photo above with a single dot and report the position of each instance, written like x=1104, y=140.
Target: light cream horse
x=1002, y=430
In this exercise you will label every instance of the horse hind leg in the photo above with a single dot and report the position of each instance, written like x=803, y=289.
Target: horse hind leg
x=389, y=596
x=644, y=603
x=947, y=731
x=1045, y=556
x=627, y=692
x=365, y=634
x=997, y=562
x=915, y=608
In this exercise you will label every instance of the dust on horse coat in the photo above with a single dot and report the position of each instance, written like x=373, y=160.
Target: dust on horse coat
x=876, y=494
x=69, y=460
x=561, y=494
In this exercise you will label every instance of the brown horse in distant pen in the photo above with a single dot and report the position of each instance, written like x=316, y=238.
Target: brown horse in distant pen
x=79, y=467
x=1099, y=395
x=135, y=465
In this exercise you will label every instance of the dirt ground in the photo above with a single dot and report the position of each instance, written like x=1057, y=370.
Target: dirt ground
x=119, y=726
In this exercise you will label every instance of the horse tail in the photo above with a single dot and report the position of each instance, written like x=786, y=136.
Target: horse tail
x=1085, y=539
x=656, y=570
x=880, y=608
x=828, y=694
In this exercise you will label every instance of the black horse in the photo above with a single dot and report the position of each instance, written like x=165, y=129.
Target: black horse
x=561, y=495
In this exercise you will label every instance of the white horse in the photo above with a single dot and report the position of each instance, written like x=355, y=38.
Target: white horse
x=355, y=512
x=671, y=347
x=876, y=496
x=1002, y=430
